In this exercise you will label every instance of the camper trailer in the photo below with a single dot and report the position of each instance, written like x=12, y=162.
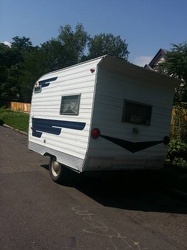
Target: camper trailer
x=101, y=115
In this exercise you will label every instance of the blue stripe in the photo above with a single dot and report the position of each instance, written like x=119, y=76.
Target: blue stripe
x=46, y=82
x=133, y=147
x=53, y=126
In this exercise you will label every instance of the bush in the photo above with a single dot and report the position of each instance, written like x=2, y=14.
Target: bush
x=177, y=153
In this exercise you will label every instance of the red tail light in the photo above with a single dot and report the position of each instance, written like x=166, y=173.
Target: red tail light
x=95, y=133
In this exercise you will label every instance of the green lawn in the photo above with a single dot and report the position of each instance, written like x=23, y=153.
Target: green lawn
x=17, y=120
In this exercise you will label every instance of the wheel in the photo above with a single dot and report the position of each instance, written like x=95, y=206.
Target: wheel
x=55, y=170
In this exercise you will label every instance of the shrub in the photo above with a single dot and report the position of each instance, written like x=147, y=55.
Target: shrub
x=177, y=153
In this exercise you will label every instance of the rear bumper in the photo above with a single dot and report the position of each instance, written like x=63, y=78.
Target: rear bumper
x=112, y=163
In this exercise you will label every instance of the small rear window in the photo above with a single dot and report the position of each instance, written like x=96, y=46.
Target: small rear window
x=137, y=113
x=70, y=105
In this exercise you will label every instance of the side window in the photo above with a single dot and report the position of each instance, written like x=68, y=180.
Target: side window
x=137, y=113
x=70, y=105
x=37, y=89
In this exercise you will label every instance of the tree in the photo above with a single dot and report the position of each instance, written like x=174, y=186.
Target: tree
x=176, y=65
x=53, y=54
x=9, y=64
x=34, y=65
x=21, y=43
x=22, y=63
x=73, y=42
x=107, y=44
x=11, y=68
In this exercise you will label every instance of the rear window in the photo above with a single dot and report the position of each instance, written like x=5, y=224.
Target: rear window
x=137, y=113
x=70, y=105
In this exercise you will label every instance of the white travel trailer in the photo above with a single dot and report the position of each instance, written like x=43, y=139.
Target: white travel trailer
x=103, y=114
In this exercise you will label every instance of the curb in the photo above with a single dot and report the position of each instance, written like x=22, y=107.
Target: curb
x=17, y=130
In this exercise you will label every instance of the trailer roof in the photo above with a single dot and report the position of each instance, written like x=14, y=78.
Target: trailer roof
x=133, y=71
x=130, y=70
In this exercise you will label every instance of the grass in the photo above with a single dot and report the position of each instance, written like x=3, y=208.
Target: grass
x=16, y=120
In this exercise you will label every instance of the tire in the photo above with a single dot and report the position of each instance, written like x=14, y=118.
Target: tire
x=55, y=170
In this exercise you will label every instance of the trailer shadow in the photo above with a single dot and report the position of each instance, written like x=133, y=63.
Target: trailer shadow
x=142, y=191
x=139, y=191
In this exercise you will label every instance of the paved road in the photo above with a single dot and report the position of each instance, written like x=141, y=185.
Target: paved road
x=81, y=213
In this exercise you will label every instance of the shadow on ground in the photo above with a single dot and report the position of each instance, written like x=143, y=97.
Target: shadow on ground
x=1, y=122
x=143, y=190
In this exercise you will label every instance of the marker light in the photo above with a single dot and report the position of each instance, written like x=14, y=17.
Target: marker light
x=95, y=133
x=166, y=140
x=92, y=70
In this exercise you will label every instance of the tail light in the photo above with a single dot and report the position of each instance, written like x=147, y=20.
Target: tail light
x=95, y=133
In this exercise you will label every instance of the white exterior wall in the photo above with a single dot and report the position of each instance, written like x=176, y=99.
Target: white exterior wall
x=112, y=89
x=71, y=145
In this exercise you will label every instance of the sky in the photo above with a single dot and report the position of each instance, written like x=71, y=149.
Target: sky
x=145, y=25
